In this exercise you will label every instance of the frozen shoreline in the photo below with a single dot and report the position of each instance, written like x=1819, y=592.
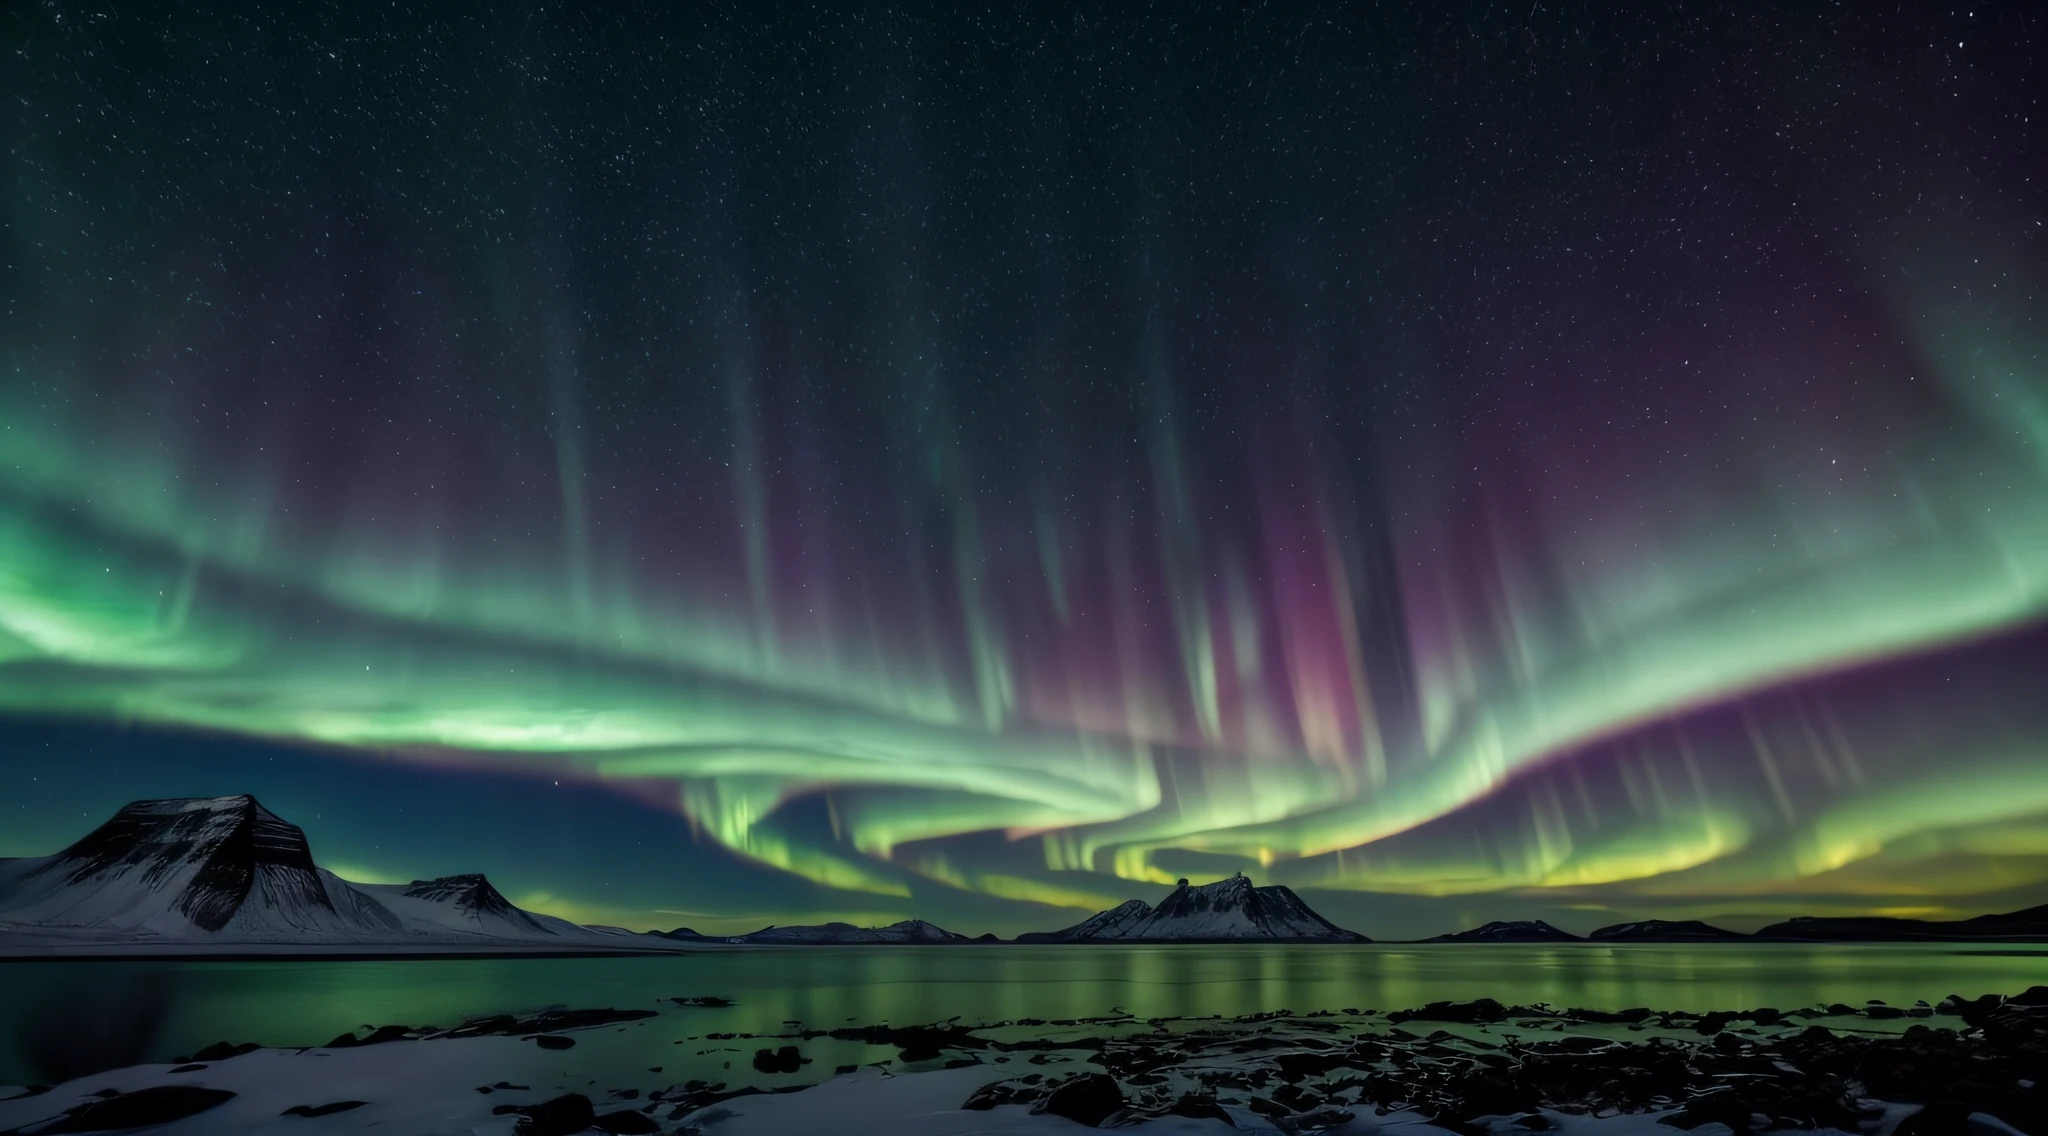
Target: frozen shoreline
x=1473, y=1067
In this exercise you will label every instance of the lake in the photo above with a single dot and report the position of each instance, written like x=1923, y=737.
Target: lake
x=60, y=1018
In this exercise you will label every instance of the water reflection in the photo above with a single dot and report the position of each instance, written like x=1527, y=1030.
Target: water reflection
x=59, y=1017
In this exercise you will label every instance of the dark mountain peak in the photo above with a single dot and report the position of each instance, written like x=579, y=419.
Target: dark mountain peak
x=2029, y=923
x=1228, y=910
x=470, y=891
x=1509, y=931
x=905, y=931
x=1184, y=901
x=1661, y=930
x=472, y=895
x=2027, y=917
x=213, y=848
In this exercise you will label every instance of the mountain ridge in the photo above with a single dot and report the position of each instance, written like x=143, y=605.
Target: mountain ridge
x=1227, y=911
x=209, y=872
x=228, y=872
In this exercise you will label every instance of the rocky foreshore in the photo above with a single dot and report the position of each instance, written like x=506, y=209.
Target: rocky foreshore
x=1962, y=1066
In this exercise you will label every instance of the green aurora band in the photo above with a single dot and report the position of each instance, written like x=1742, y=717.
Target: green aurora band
x=128, y=592
x=1756, y=630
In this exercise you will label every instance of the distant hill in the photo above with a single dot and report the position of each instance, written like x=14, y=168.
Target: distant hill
x=225, y=871
x=1229, y=910
x=1662, y=931
x=2029, y=924
x=1515, y=931
x=906, y=933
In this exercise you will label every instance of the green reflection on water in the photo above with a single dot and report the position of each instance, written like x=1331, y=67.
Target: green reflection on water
x=140, y=1010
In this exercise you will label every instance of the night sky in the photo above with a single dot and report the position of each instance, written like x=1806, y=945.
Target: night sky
x=712, y=468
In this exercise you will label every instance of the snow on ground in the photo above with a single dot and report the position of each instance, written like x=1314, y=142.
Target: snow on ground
x=423, y=1088
x=429, y=1088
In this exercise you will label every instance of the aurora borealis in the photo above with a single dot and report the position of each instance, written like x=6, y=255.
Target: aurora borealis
x=745, y=466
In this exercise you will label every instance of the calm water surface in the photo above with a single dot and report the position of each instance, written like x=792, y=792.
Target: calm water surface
x=59, y=1016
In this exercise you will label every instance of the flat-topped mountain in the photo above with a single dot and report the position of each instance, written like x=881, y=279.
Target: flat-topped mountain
x=1662, y=931
x=1229, y=910
x=1509, y=931
x=225, y=871
x=906, y=932
x=218, y=866
x=2029, y=924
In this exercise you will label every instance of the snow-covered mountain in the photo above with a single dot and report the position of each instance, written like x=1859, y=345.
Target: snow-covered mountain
x=469, y=905
x=909, y=931
x=227, y=871
x=1229, y=910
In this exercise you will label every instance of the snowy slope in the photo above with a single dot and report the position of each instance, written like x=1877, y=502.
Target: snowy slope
x=223, y=871
x=1227, y=910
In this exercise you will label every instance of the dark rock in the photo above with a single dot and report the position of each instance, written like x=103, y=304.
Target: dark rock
x=1318, y=1119
x=143, y=1108
x=1296, y=1098
x=626, y=1123
x=1492, y=1092
x=1200, y=1108
x=1087, y=1098
x=188, y=1068
x=1270, y=1109
x=2031, y=996
x=1629, y=1017
x=705, y=1001
x=310, y=1110
x=1975, y=1011
x=377, y=1036
x=550, y=1041
x=787, y=1059
x=998, y=1093
x=1478, y=1011
x=563, y=1116
x=919, y=1043
x=221, y=1051
x=1295, y=1066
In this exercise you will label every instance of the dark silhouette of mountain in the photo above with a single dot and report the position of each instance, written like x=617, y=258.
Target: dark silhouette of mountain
x=1229, y=910
x=1517, y=931
x=1662, y=931
x=2031, y=923
x=472, y=902
x=906, y=933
